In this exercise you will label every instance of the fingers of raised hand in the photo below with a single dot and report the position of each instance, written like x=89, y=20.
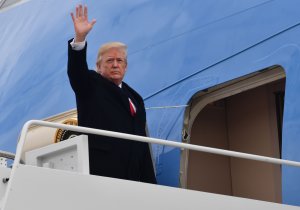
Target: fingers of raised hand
x=85, y=11
x=77, y=11
x=93, y=22
x=81, y=11
x=81, y=15
x=72, y=15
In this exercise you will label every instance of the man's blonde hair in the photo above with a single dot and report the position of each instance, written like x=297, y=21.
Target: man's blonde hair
x=107, y=46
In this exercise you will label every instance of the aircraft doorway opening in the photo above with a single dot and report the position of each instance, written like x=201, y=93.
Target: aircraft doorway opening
x=242, y=115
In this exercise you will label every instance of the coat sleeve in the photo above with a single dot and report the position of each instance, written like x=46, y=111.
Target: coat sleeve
x=78, y=71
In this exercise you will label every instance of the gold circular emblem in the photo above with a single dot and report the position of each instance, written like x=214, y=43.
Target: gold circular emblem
x=61, y=135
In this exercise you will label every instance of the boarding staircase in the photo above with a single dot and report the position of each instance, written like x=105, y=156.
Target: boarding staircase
x=57, y=177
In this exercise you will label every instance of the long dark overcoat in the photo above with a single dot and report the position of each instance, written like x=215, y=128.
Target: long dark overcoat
x=103, y=105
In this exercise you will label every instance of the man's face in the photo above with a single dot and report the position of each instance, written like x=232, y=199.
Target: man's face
x=113, y=65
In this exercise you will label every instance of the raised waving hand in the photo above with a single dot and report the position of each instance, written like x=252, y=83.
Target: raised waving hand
x=82, y=26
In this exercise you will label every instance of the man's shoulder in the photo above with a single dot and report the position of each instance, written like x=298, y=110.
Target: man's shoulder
x=100, y=80
x=95, y=76
x=93, y=73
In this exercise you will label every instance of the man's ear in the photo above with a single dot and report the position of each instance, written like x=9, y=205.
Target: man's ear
x=98, y=68
x=126, y=65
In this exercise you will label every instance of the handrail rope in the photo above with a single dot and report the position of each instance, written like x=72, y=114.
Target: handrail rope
x=219, y=62
x=166, y=107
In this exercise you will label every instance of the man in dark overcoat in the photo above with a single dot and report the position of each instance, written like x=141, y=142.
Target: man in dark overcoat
x=105, y=102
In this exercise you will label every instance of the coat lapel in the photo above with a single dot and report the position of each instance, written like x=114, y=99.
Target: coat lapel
x=128, y=94
x=134, y=97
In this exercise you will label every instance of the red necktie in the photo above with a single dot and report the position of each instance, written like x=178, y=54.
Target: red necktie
x=131, y=106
